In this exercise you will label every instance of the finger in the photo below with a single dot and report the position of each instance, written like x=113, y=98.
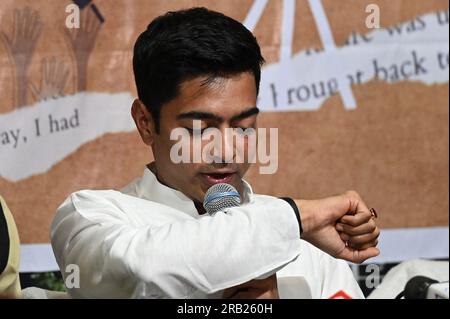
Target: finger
x=52, y=71
x=363, y=255
x=374, y=243
x=67, y=37
x=15, y=24
x=366, y=228
x=64, y=81
x=5, y=39
x=24, y=22
x=36, y=31
x=95, y=24
x=60, y=70
x=353, y=199
x=87, y=25
x=357, y=219
x=359, y=256
x=245, y=294
x=17, y=21
x=28, y=23
x=43, y=71
x=344, y=237
x=364, y=239
x=34, y=91
x=87, y=20
x=229, y=293
x=59, y=76
x=46, y=69
x=363, y=245
x=356, y=204
x=8, y=45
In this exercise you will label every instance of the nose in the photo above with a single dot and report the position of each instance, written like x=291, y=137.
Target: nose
x=227, y=150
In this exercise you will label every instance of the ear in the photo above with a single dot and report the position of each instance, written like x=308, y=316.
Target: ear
x=144, y=122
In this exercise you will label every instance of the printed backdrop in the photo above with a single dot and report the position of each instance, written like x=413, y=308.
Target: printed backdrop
x=357, y=108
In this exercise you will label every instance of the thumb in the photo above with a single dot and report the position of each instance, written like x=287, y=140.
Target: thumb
x=358, y=256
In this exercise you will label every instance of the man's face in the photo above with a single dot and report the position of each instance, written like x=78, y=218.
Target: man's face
x=223, y=104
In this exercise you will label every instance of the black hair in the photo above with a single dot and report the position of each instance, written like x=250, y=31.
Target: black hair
x=183, y=45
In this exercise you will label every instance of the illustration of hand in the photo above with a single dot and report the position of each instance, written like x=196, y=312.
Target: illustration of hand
x=54, y=77
x=20, y=44
x=82, y=41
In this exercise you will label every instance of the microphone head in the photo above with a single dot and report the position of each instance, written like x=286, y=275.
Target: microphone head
x=221, y=196
x=417, y=287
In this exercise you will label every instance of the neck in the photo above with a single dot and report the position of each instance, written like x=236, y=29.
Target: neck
x=198, y=205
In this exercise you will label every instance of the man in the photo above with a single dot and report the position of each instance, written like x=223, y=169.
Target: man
x=9, y=254
x=153, y=239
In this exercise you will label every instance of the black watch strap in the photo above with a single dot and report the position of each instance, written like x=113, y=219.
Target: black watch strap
x=291, y=202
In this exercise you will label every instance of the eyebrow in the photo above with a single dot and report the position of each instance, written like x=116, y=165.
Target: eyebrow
x=197, y=115
x=253, y=111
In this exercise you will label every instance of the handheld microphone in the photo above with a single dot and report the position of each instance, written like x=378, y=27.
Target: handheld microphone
x=219, y=197
x=421, y=287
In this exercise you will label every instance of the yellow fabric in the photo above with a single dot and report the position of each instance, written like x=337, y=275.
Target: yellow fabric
x=9, y=278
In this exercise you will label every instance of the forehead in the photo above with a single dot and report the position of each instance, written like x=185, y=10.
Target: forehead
x=223, y=96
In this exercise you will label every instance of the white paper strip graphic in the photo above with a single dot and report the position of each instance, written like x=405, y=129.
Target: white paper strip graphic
x=34, y=138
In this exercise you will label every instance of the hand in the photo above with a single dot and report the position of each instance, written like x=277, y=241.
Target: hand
x=27, y=27
x=358, y=231
x=254, y=289
x=20, y=45
x=82, y=39
x=55, y=75
x=342, y=226
x=82, y=42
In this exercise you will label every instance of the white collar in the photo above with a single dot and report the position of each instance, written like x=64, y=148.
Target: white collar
x=150, y=188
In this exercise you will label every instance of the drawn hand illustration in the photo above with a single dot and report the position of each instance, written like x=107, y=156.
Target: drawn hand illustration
x=54, y=77
x=82, y=41
x=20, y=45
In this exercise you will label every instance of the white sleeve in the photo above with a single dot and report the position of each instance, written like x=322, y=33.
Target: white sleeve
x=174, y=259
x=338, y=279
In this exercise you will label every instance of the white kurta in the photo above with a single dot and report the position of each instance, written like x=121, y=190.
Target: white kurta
x=149, y=235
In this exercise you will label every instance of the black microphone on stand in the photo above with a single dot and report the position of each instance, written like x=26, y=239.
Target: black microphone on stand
x=421, y=287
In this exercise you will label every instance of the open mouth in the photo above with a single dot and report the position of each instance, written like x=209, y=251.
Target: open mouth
x=215, y=178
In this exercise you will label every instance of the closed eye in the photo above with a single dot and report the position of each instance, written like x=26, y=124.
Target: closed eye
x=195, y=132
